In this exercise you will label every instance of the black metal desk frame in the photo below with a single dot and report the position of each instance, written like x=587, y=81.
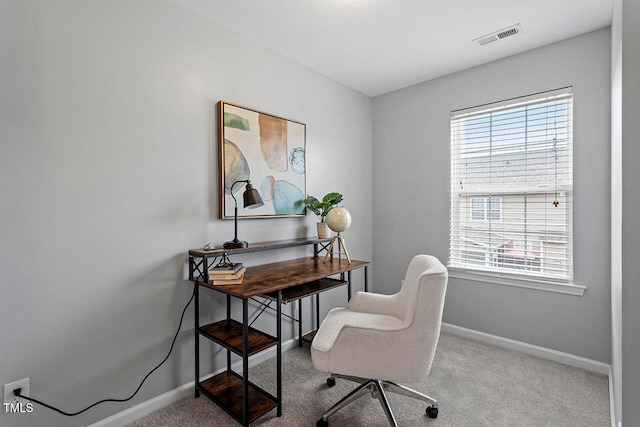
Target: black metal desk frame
x=228, y=330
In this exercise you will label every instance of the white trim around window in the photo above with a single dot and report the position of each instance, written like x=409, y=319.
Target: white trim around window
x=512, y=192
x=520, y=282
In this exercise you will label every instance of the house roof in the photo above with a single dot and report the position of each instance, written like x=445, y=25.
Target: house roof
x=510, y=171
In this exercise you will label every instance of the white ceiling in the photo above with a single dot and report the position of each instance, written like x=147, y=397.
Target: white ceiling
x=376, y=46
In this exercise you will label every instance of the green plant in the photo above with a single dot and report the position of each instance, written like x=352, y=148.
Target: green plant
x=322, y=208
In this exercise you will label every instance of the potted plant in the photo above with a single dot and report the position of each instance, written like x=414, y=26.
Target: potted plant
x=321, y=209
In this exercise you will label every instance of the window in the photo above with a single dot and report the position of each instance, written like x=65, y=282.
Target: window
x=511, y=187
x=486, y=208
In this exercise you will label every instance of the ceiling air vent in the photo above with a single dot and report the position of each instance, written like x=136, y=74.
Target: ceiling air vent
x=498, y=35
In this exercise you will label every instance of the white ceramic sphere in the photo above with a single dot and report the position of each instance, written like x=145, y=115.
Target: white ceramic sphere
x=338, y=219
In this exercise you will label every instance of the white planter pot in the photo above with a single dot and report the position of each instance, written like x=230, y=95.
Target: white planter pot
x=324, y=232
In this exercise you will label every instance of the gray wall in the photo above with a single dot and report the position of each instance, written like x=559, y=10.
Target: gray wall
x=630, y=209
x=411, y=193
x=625, y=223
x=108, y=171
x=616, y=208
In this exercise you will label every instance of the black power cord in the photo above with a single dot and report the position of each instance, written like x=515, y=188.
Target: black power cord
x=17, y=391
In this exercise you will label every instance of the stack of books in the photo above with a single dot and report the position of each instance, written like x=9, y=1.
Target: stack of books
x=227, y=274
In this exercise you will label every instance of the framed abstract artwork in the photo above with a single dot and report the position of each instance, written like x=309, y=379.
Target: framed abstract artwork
x=267, y=150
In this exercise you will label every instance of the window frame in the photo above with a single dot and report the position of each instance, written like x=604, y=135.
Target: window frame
x=509, y=276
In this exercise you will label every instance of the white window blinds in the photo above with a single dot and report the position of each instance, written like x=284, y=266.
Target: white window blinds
x=511, y=187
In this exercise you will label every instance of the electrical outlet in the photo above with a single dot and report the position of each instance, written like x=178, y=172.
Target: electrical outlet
x=10, y=398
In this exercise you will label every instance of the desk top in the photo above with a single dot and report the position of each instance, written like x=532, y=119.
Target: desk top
x=262, y=279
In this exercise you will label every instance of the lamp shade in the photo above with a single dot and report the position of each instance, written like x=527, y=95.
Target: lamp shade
x=252, y=200
x=251, y=197
x=338, y=219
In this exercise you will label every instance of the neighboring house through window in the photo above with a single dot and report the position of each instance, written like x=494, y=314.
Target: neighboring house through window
x=512, y=186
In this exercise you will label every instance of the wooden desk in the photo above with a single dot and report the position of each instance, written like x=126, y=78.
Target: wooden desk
x=285, y=275
x=280, y=281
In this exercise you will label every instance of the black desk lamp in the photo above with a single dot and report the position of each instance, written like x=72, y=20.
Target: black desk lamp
x=252, y=200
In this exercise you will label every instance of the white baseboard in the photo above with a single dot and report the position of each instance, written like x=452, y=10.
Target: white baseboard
x=534, y=350
x=545, y=353
x=612, y=401
x=145, y=408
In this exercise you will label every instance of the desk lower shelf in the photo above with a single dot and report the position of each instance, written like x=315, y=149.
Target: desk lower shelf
x=226, y=390
x=309, y=336
x=306, y=289
x=228, y=333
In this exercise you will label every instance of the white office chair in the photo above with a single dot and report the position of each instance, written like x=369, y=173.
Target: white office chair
x=379, y=340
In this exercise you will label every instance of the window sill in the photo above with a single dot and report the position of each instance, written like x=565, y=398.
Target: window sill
x=500, y=279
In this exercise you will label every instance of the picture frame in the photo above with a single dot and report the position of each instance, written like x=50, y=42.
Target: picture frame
x=268, y=150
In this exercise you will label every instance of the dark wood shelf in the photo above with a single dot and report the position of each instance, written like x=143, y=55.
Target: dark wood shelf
x=228, y=333
x=309, y=336
x=306, y=289
x=260, y=246
x=226, y=390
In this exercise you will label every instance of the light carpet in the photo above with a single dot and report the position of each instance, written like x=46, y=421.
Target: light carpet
x=476, y=384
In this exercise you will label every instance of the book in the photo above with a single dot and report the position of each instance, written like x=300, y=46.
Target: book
x=226, y=268
x=227, y=274
x=227, y=281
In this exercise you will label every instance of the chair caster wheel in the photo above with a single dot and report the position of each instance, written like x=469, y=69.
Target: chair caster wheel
x=331, y=381
x=322, y=423
x=432, y=412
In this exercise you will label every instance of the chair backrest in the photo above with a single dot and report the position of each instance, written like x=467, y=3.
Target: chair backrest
x=422, y=294
x=420, y=268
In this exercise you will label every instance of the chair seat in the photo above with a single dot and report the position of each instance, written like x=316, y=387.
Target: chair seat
x=336, y=320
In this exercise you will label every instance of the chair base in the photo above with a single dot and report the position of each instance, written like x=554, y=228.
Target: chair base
x=377, y=389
